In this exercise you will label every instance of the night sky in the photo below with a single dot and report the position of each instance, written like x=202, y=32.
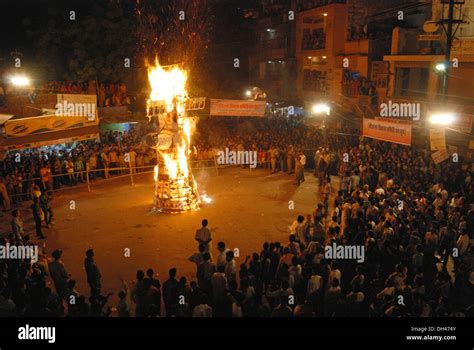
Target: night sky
x=14, y=13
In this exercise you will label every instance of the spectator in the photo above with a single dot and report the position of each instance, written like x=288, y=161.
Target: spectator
x=93, y=274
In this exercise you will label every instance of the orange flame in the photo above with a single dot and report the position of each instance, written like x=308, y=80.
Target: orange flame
x=169, y=85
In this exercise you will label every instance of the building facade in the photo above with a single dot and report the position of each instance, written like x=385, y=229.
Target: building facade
x=272, y=63
x=413, y=77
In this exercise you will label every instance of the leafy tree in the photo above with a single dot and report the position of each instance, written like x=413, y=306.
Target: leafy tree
x=92, y=46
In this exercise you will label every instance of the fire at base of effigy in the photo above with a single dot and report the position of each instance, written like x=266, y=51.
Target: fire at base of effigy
x=175, y=188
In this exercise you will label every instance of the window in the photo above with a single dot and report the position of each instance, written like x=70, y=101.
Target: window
x=411, y=82
x=314, y=80
x=313, y=39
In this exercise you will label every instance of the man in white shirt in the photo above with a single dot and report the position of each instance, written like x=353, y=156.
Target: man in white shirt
x=221, y=258
x=298, y=228
x=219, y=283
x=317, y=155
x=354, y=181
x=204, y=236
x=463, y=243
x=230, y=269
x=197, y=257
x=300, y=168
x=314, y=285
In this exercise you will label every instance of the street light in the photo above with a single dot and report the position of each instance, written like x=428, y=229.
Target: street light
x=321, y=108
x=248, y=93
x=442, y=119
x=20, y=80
x=441, y=67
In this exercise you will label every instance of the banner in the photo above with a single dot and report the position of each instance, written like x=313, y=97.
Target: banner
x=387, y=131
x=20, y=146
x=439, y=156
x=71, y=105
x=438, y=139
x=49, y=138
x=42, y=124
x=237, y=108
x=70, y=112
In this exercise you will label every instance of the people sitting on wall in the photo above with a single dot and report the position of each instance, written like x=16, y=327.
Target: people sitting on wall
x=108, y=94
x=315, y=40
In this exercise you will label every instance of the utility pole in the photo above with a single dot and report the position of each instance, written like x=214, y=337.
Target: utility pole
x=449, y=43
x=447, y=24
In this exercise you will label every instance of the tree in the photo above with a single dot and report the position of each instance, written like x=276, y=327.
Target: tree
x=93, y=45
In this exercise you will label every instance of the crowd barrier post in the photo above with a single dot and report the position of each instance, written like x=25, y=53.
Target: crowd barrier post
x=131, y=173
x=215, y=165
x=87, y=180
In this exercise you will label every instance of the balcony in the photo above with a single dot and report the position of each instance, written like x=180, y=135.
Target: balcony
x=304, y=5
x=356, y=47
x=313, y=41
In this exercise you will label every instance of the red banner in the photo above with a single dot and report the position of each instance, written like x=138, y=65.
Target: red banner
x=237, y=108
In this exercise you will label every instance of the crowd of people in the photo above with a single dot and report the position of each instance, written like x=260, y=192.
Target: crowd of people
x=356, y=85
x=275, y=140
x=66, y=165
x=412, y=218
x=315, y=40
x=51, y=168
x=108, y=94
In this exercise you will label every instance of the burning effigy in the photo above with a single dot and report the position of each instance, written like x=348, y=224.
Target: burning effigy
x=175, y=188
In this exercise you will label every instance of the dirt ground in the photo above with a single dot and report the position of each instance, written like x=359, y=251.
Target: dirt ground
x=248, y=208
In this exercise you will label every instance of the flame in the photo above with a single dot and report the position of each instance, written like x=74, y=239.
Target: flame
x=187, y=130
x=168, y=85
x=178, y=191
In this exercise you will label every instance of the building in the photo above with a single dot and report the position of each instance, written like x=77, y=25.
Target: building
x=320, y=33
x=416, y=50
x=272, y=62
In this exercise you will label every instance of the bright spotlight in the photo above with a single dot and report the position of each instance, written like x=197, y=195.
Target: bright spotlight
x=442, y=119
x=321, y=108
x=20, y=80
x=248, y=93
x=440, y=67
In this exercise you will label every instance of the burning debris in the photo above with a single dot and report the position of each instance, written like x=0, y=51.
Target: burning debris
x=175, y=188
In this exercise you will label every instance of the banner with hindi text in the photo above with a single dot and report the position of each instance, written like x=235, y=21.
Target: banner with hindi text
x=237, y=108
x=387, y=131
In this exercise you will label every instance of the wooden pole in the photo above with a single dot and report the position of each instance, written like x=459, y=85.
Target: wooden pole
x=87, y=179
x=215, y=166
x=131, y=172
